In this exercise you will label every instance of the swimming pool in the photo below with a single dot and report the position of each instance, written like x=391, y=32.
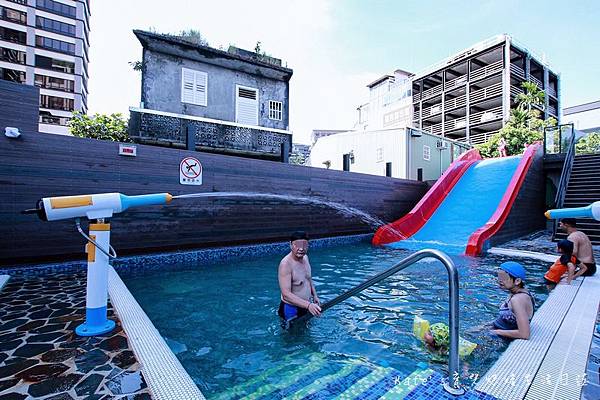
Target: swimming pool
x=220, y=319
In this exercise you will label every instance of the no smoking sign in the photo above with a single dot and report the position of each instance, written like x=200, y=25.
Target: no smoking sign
x=190, y=171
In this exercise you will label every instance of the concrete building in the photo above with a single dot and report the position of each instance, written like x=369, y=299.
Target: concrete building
x=389, y=105
x=45, y=43
x=319, y=133
x=468, y=96
x=302, y=150
x=235, y=101
x=585, y=117
x=398, y=152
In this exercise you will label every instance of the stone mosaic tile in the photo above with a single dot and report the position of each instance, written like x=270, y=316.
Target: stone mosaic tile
x=173, y=260
x=540, y=241
x=40, y=355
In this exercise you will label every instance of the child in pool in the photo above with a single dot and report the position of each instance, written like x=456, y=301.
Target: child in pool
x=437, y=337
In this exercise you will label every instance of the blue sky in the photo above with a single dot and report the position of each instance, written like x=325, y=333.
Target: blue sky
x=337, y=47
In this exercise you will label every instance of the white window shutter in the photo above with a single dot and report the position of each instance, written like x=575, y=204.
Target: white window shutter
x=187, y=86
x=194, y=86
x=246, y=105
x=200, y=89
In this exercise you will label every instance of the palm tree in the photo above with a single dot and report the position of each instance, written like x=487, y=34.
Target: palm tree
x=519, y=118
x=533, y=96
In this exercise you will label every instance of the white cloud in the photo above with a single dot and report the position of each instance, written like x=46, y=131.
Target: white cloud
x=323, y=95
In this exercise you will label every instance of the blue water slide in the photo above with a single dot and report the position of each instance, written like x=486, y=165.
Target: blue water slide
x=469, y=206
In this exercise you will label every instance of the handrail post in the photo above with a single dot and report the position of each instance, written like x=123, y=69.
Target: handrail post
x=452, y=385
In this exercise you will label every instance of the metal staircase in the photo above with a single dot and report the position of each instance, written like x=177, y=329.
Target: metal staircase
x=584, y=188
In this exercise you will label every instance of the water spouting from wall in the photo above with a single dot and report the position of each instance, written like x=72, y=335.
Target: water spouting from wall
x=372, y=221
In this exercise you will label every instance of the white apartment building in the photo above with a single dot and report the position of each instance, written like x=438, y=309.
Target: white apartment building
x=390, y=104
x=584, y=117
x=45, y=43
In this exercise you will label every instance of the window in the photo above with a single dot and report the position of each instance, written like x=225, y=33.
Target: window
x=47, y=118
x=426, y=153
x=13, y=56
x=275, y=110
x=346, y=162
x=388, y=169
x=194, y=87
x=55, y=26
x=379, y=155
x=10, y=35
x=22, y=2
x=55, y=44
x=54, y=64
x=50, y=82
x=56, y=103
x=12, y=75
x=57, y=8
x=246, y=105
x=16, y=16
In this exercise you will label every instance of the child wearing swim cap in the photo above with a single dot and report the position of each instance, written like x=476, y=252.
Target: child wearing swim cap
x=438, y=337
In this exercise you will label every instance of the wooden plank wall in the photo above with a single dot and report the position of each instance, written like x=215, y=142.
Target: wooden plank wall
x=40, y=165
x=19, y=106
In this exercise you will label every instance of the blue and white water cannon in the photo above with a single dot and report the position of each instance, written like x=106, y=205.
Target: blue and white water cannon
x=591, y=211
x=95, y=207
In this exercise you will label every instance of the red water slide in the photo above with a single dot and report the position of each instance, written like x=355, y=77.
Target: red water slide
x=477, y=240
x=408, y=225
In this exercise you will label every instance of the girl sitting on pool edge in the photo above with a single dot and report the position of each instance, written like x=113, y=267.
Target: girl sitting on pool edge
x=567, y=263
x=516, y=311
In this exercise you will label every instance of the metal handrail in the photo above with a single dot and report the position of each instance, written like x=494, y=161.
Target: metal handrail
x=452, y=385
x=564, y=176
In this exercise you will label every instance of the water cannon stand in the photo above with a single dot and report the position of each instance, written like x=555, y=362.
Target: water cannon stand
x=96, y=208
x=96, y=321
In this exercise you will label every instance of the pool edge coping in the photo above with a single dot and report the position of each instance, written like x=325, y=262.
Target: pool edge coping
x=492, y=388
x=165, y=376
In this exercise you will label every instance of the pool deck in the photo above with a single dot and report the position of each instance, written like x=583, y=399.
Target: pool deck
x=561, y=360
x=41, y=357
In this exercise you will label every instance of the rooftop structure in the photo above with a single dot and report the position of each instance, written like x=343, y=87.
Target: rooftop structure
x=585, y=117
x=468, y=96
x=231, y=102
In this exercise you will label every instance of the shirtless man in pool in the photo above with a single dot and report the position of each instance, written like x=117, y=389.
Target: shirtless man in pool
x=298, y=294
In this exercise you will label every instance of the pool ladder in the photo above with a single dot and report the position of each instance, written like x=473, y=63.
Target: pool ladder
x=452, y=384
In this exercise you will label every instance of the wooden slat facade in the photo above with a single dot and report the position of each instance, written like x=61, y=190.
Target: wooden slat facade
x=19, y=106
x=41, y=165
x=527, y=212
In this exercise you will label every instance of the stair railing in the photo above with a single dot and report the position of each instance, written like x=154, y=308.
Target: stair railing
x=564, y=176
x=452, y=384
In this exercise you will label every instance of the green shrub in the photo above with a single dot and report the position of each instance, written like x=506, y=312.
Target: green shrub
x=589, y=143
x=100, y=126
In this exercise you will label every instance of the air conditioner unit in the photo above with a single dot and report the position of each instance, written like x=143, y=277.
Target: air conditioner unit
x=441, y=144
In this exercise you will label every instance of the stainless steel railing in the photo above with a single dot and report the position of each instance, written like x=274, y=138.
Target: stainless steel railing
x=452, y=385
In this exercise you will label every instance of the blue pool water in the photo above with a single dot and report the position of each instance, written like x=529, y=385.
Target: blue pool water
x=221, y=319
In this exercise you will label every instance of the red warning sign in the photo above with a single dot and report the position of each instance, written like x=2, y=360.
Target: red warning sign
x=190, y=171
